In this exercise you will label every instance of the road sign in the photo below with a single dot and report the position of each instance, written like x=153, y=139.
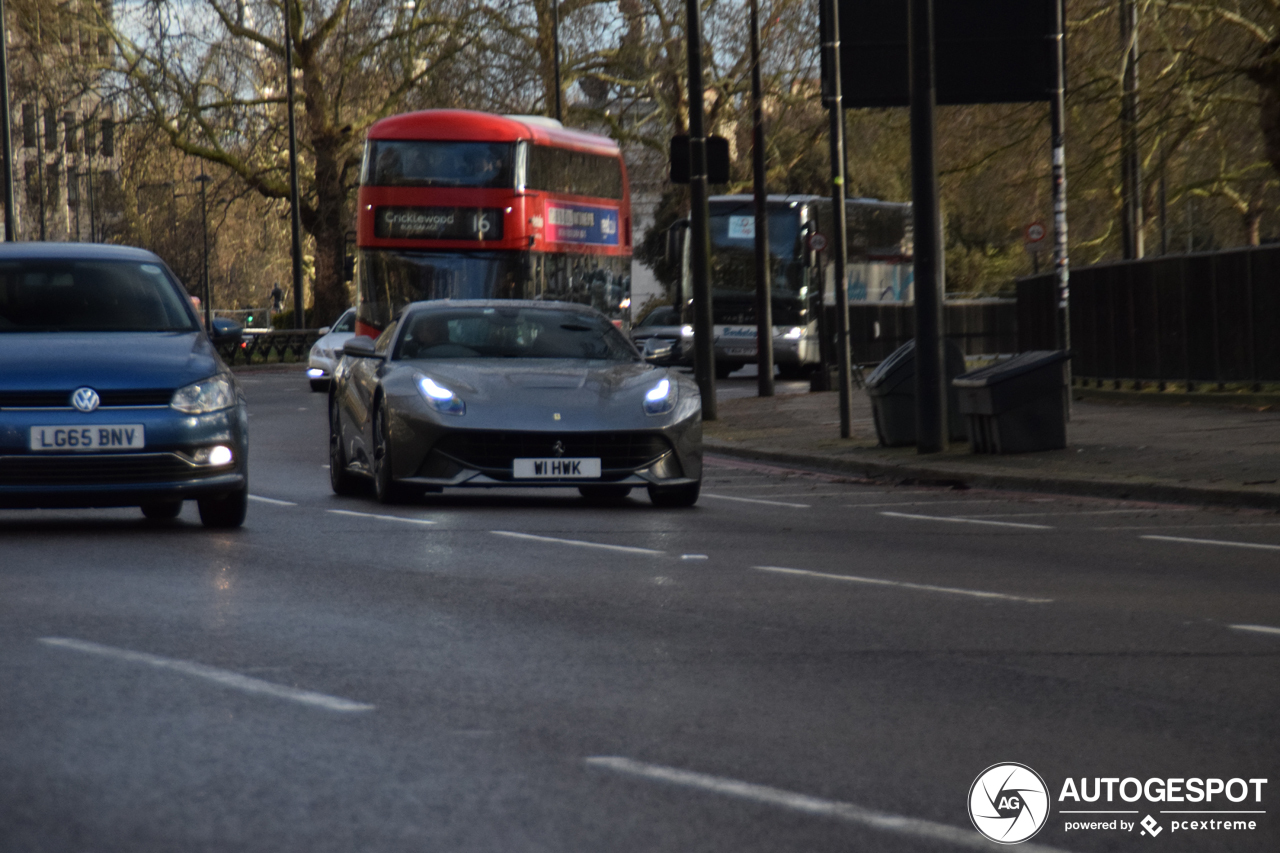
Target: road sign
x=817, y=242
x=1034, y=234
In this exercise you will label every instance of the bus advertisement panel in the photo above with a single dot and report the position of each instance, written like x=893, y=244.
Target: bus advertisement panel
x=455, y=204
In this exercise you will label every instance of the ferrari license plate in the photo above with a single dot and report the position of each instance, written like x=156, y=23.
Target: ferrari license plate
x=105, y=437
x=555, y=469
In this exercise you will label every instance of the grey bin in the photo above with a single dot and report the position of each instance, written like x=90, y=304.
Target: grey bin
x=892, y=389
x=1019, y=405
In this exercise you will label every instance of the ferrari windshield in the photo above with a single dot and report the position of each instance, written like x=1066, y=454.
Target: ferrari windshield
x=511, y=332
x=90, y=296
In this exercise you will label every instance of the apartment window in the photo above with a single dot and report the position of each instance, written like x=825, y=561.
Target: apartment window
x=50, y=129
x=69, y=133
x=73, y=188
x=28, y=126
x=52, y=174
x=108, y=137
x=90, y=137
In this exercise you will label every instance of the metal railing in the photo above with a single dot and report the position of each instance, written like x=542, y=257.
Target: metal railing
x=278, y=346
x=1201, y=319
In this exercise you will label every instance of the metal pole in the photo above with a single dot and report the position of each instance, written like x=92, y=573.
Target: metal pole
x=764, y=290
x=931, y=392
x=6, y=134
x=555, y=46
x=1130, y=157
x=840, y=247
x=1057, y=115
x=299, y=315
x=204, y=230
x=704, y=354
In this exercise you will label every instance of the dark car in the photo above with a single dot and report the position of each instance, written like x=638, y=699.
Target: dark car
x=662, y=338
x=511, y=393
x=111, y=392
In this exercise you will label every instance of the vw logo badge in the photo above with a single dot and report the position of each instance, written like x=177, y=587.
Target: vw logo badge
x=85, y=399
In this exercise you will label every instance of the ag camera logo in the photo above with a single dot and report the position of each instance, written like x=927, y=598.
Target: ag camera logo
x=1008, y=803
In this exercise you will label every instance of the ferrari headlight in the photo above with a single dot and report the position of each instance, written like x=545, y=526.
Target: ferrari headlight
x=661, y=398
x=205, y=396
x=439, y=397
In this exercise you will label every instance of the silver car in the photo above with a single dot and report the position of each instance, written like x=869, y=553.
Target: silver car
x=662, y=338
x=326, y=351
x=511, y=393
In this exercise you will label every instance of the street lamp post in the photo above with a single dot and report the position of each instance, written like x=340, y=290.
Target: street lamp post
x=203, y=180
x=6, y=133
x=299, y=318
x=704, y=354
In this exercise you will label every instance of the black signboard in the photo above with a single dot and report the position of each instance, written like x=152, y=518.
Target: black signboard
x=986, y=51
x=438, y=223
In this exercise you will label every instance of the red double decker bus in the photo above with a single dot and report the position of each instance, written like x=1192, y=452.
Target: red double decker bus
x=455, y=204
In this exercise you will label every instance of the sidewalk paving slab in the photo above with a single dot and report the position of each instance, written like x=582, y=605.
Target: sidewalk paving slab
x=1128, y=450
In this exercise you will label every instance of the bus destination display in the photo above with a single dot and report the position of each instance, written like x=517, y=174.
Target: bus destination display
x=438, y=223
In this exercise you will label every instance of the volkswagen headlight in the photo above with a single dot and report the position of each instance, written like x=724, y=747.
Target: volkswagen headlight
x=209, y=395
x=792, y=334
x=439, y=397
x=661, y=398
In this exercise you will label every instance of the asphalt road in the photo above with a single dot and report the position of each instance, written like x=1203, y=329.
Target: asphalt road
x=800, y=663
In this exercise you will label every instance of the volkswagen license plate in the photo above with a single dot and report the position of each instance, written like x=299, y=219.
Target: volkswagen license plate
x=105, y=437
x=555, y=469
x=740, y=351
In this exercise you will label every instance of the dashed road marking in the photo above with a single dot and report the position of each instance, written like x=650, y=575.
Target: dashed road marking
x=223, y=677
x=580, y=543
x=1257, y=629
x=756, y=501
x=1223, y=542
x=274, y=501
x=768, y=795
x=961, y=520
x=381, y=517
x=923, y=587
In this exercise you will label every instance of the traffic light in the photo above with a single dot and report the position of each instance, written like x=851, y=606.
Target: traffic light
x=248, y=321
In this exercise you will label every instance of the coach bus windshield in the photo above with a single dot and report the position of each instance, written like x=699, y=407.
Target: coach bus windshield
x=733, y=265
x=399, y=163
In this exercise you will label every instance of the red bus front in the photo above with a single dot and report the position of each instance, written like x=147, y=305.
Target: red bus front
x=464, y=205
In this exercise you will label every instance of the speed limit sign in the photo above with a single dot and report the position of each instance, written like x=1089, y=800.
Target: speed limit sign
x=1034, y=234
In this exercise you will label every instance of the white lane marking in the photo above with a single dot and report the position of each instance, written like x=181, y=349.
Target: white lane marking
x=959, y=520
x=929, y=503
x=1258, y=629
x=275, y=501
x=768, y=795
x=1066, y=513
x=755, y=501
x=693, y=556
x=904, y=584
x=626, y=549
x=381, y=517
x=1212, y=542
x=224, y=677
x=1185, y=526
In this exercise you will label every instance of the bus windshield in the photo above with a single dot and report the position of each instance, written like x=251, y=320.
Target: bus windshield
x=733, y=253
x=398, y=163
x=390, y=279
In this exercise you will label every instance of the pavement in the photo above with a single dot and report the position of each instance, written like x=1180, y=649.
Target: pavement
x=1133, y=446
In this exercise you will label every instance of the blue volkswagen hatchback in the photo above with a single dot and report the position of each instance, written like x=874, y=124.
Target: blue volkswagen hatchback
x=111, y=392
